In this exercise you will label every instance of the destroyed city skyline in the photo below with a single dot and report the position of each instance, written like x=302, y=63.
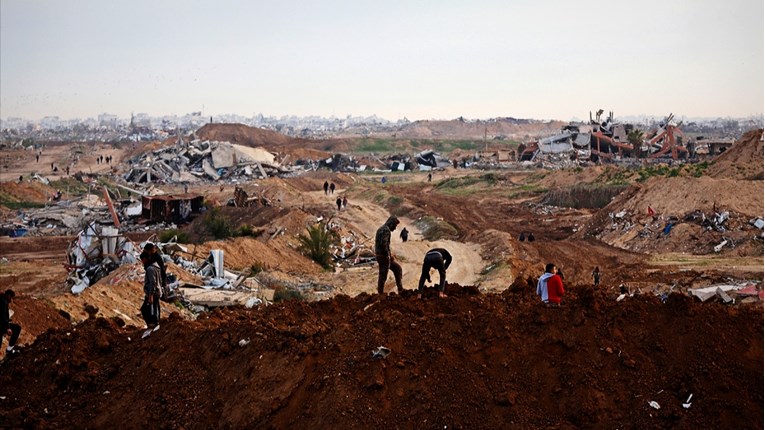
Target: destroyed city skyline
x=487, y=60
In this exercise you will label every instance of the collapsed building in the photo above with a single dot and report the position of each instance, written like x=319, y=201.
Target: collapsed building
x=202, y=160
x=604, y=139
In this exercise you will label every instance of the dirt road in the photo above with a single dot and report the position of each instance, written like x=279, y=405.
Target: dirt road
x=368, y=217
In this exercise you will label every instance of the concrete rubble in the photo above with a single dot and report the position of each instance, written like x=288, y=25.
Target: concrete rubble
x=99, y=250
x=200, y=160
x=723, y=291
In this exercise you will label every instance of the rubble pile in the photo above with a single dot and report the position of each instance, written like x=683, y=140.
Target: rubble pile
x=468, y=361
x=200, y=160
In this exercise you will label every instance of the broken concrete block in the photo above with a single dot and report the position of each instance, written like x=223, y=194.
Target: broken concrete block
x=724, y=296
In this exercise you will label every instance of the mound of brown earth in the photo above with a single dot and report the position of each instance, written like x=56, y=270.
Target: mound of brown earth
x=243, y=135
x=467, y=361
x=744, y=160
x=33, y=192
x=626, y=222
x=34, y=316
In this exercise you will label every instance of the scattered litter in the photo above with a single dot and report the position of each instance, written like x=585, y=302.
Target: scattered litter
x=106, y=392
x=687, y=403
x=244, y=342
x=146, y=334
x=380, y=352
x=621, y=297
x=720, y=246
x=654, y=405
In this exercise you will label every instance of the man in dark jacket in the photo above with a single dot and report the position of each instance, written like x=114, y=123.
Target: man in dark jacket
x=156, y=257
x=8, y=328
x=439, y=259
x=152, y=291
x=385, y=259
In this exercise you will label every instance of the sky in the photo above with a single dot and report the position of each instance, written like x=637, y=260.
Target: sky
x=542, y=59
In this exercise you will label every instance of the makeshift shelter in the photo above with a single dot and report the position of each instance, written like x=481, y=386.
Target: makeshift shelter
x=171, y=208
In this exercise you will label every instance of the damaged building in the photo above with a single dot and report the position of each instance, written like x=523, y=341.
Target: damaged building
x=202, y=160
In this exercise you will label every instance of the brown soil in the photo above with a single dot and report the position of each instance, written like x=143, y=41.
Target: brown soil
x=473, y=360
x=467, y=361
x=744, y=160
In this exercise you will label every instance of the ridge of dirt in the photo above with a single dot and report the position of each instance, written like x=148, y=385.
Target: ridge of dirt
x=744, y=160
x=467, y=361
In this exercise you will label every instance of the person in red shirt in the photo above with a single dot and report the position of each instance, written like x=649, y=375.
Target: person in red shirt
x=554, y=288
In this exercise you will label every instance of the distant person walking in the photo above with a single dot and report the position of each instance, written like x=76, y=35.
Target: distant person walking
x=439, y=259
x=339, y=202
x=530, y=237
x=7, y=328
x=522, y=237
x=332, y=188
x=404, y=235
x=326, y=187
x=345, y=201
x=37, y=158
x=430, y=176
x=385, y=259
x=596, y=276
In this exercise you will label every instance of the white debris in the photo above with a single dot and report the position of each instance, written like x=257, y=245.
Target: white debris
x=654, y=404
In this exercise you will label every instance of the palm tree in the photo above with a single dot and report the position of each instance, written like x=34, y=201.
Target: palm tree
x=635, y=137
x=316, y=244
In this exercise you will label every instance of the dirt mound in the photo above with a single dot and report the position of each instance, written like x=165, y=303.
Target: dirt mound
x=243, y=135
x=33, y=192
x=627, y=223
x=35, y=317
x=468, y=361
x=744, y=160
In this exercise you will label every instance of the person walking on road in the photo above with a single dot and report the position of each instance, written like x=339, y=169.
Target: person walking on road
x=326, y=187
x=385, y=259
x=332, y=188
x=404, y=235
x=596, y=275
x=439, y=259
x=345, y=201
x=339, y=202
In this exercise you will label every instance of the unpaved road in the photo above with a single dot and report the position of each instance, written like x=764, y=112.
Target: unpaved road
x=368, y=217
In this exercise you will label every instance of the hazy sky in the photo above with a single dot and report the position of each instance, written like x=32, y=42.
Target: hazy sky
x=544, y=59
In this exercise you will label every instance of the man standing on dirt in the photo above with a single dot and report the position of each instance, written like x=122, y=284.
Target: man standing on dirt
x=404, y=235
x=332, y=188
x=155, y=257
x=152, y=292
x=326, y=187
x=345, y=201
x=596, y=275
x=6, y=326
x=339, y=203
x=439, y=259
x=385, y=259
